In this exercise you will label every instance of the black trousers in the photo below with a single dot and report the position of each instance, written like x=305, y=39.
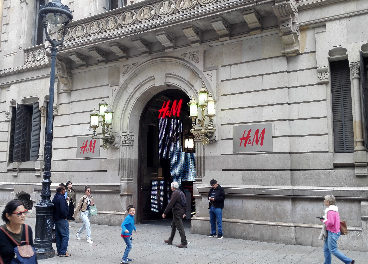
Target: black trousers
x=177, y=223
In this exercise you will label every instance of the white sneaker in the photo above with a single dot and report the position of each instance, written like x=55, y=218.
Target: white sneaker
x=89, y=241
x=77, y=236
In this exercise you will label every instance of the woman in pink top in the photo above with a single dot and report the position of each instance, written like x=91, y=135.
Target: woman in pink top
x=332, y=222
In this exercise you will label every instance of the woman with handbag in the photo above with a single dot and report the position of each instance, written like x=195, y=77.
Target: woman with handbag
x=14, y=234
x=83, y=206
x=332, y=221
x=71, y=199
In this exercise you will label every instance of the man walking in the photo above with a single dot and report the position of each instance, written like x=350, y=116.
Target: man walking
x=216, y=196
x=178, y=209
x=60, y=215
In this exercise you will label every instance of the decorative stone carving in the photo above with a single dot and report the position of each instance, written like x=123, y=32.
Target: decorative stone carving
x=111, y=22
x=127, y=18
x=165, y=8
x=185, y=4
x=43, y=111
x=166, y=40
x=127, y=139
x=193, y=56
x=355, y=69
x=323, y=75
x=253, y=19
x=7, y=116
x=222, y=28
x=94, y=27
x=64, y=74
x=287, y=13
x=35, y=55
x=127, y=68
x=146, y=13
x=193, y=34
x=206, y=2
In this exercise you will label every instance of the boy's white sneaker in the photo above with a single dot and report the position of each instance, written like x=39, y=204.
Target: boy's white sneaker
x=77, y=236
x=89, y=241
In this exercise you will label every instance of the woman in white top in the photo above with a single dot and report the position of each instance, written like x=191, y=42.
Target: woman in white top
x=83, y=206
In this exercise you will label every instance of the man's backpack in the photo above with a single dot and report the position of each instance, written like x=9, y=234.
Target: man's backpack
x=183, y=199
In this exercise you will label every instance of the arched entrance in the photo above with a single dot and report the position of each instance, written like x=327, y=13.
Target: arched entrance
x=163, y=125
x=139, y=85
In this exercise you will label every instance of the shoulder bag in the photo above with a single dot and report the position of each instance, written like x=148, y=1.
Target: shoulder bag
x=22, y=254
x=92, y=210
x=343, y=228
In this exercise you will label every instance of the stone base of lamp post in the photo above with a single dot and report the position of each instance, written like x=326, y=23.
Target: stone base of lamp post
x=43, y=232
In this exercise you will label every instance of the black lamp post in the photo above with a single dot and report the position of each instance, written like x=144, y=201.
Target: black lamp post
x=55, y=17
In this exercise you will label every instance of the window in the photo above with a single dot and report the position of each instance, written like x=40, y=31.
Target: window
x=39, y=34
x=342, y=106
x=25, y=133
x=113, y=4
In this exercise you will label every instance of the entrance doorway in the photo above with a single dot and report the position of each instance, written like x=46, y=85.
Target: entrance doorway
x=163, y=125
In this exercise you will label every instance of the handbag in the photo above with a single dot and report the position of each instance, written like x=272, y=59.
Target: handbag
x=343, y=228
x=23, y=254
x=92, y=210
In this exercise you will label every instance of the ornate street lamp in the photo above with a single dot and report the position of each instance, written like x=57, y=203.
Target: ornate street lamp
x=55, y=17
x=201, y=129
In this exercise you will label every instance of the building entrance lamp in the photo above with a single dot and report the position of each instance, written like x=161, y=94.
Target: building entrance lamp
x=202, y=127
x=103, y=117
x=55, y=17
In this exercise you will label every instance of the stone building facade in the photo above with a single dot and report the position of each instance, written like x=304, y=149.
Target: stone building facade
x=298, y=65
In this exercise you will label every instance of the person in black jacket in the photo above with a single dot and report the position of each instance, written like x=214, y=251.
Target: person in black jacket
x=61, y=211
x=14, y=216
x=178, y=214
x=216, y=196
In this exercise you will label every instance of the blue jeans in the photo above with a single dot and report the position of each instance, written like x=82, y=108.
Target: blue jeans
x=331, y=247
x=62, y=236
x=216, y=215
x=128, y=242
x=86, y=224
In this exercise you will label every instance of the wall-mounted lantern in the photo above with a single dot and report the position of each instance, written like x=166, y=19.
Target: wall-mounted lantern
x=200, y=128
x=103, y=117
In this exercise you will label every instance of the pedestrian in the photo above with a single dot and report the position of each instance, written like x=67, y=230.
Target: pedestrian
x=60, y=215
x=71, y=199
x=176, y=205
x=14, y=231
x=65, y=194
x=331, y=220
x=83, y=206
x=127, y=228
x=216, y=197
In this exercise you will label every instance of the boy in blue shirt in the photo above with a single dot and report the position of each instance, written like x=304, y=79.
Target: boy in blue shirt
x=127, y=228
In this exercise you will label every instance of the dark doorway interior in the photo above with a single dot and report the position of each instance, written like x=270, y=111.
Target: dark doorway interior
x=155, y=161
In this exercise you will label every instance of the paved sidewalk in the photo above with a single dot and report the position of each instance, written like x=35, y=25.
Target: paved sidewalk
x=148, y=247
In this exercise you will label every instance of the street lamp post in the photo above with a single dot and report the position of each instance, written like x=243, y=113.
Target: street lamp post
x=55, y=17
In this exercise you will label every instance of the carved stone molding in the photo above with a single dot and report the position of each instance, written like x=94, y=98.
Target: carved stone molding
x=141, y=44
x=222, y=28
x=253, y=19
x=193, y=34
x=98, y=54
x=128, y=67
x=355, y=70
x=64, y=74
x=165, y=8
x=127, y=139
x=35, y=55
x=323, y=75
x=166, y=39
x=287, y=14
x=192, y=55
x=7, y=116
x=43, y=111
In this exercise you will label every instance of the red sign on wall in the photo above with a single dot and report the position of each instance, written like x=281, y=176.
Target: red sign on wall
x=250, y=138
x=174, y=110
x=88, y=147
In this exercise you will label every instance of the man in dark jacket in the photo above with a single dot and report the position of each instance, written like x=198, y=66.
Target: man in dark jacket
x=61, y=211
x=178, y=214
x=216, y=196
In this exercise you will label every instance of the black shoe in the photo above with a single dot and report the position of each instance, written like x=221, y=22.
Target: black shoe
x=352, y=262
x=168, y=242
x=182, y=246
x=212, y=235
x=220, y=237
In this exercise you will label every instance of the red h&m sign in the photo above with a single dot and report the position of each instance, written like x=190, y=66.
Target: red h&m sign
x=251, y=138
x=88, y=147
x=166, y=111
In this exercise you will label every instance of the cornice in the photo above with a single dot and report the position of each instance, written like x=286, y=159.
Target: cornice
x=308, y=4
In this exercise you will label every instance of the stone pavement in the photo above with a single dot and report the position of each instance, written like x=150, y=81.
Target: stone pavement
x=148, y=247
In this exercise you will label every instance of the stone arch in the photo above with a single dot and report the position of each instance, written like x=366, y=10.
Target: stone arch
x=139, y=85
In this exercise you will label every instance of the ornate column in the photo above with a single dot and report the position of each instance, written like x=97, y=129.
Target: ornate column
x=126, y=168
x=360, y=156
x=199, y=159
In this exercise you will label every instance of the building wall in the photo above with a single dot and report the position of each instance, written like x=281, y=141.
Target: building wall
x=272, y=196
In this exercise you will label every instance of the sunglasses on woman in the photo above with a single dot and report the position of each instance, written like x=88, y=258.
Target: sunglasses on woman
x=20, y=213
